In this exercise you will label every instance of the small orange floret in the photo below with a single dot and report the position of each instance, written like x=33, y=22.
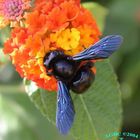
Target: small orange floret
x=35, y=22
x=70, y=10
x=56, y=19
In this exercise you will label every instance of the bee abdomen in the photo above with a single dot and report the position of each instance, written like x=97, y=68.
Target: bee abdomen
x=82, y=81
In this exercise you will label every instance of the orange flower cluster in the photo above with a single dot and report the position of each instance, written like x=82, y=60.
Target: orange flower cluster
x=50, y=25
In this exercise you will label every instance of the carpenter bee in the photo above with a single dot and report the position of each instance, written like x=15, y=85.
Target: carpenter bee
x=72, y=73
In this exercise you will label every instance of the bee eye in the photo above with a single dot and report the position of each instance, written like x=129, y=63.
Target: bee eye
x=82, y=80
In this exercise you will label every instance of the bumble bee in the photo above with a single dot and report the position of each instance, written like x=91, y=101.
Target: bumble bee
x=72, y=73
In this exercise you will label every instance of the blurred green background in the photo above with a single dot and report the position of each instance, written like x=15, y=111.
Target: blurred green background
x=19, y=118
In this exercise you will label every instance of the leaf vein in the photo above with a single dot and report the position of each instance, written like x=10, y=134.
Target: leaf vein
x=89, y=116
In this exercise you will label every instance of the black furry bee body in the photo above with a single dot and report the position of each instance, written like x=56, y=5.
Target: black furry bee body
x=72, y=73
x=77, y=77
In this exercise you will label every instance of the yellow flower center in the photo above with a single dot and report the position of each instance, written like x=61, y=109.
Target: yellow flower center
x=67, y=39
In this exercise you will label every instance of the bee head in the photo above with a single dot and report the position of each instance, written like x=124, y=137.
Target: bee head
x=62, y=66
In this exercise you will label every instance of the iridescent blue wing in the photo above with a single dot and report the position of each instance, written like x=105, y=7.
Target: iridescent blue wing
x=65, y=110
x=102, y=49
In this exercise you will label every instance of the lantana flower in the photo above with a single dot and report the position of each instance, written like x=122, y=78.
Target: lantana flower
x=50, y=25
x=12, y=11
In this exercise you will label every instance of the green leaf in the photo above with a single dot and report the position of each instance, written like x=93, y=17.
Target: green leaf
x=98, y=110
x=98, y=11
